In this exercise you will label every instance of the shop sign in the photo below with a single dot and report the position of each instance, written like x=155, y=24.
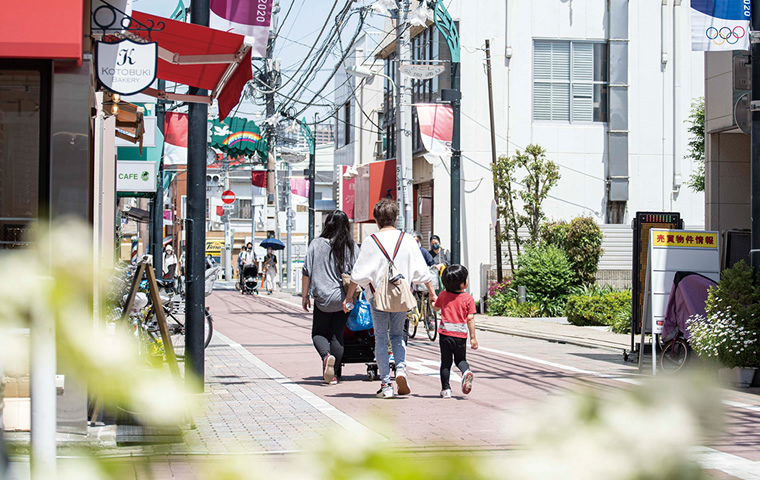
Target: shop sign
x=135, y=176
x=126, y=67
x=421, y=71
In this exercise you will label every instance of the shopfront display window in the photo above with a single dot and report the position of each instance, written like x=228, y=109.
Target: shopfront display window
x=20, y=101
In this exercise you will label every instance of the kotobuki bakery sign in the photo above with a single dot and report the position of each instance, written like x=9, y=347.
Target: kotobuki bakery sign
x=126, y=67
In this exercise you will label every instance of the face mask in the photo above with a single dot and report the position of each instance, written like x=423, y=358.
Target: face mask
x=436, y=246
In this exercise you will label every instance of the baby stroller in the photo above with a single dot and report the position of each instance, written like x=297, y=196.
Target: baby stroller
x=249, y=282
x=687, y=298
x=359, y=347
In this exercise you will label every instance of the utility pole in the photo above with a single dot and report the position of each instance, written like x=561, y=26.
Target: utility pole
x=403, y=122
x=755, y=142
x=288, y=226
x=497, y=224
x=445, y=24
x=309, y=136
x=196, y=235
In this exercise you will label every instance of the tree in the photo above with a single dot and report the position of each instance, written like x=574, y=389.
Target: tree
x=541, y=176
x=697, y=144
x=503, y=176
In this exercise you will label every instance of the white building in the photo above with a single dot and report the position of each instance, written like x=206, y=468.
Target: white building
x=605, y=86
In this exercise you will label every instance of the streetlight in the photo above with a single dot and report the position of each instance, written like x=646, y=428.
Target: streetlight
x=403, y=184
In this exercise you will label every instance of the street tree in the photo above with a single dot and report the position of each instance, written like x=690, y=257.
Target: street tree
x=696, y=153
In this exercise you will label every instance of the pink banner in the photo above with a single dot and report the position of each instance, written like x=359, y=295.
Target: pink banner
x=436, y=127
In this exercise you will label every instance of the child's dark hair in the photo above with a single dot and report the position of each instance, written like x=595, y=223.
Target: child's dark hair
x=453, y=277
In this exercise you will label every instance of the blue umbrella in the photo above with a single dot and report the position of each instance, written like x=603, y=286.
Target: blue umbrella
x=272, y=243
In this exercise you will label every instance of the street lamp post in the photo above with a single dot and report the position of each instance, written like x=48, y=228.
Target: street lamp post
x=445, y=24
x=309, y=136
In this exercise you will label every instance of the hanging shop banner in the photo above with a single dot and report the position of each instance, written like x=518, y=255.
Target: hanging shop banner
x=436, y=127
x=135, y=176
x=244, y=17
x=720, y=25
x=126, y=67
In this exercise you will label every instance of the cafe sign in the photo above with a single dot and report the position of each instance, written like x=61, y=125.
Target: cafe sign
x=135, y=176
x=126, y=67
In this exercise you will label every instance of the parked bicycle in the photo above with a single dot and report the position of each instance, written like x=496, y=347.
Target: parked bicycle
x=423, y=312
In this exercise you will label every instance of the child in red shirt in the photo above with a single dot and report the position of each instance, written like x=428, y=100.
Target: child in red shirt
x=457, y=309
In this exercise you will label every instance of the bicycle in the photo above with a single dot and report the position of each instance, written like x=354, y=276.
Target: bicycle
x=675, y=354
x=424, y=312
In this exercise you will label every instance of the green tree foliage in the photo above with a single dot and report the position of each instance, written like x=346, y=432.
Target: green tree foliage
x=547, y=275
x=697, y=144
x=540, y=176
x=581, y=240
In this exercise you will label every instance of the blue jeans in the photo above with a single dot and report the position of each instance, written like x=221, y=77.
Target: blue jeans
x=383, y=323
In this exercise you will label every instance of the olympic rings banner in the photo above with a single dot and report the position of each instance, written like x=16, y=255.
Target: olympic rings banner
x=720, y=25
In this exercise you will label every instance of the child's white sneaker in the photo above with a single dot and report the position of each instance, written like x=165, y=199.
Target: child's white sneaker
x=446, y=393
x=467, y=382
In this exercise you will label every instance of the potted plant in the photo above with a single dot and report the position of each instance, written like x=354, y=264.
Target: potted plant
x=728, y=333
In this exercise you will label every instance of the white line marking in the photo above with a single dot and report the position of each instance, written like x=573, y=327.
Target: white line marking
x=745, y=406
x=725, y=462
x=342, y=419
x=560, y=366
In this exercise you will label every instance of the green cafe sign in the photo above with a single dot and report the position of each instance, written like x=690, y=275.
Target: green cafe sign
x=135, y=176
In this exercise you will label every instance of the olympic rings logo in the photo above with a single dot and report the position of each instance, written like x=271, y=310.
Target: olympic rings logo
x=725, y=35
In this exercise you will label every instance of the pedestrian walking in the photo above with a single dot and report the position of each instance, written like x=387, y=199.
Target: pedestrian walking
x=441, y=256
x=245, y=257
x=425, y=254
x=169, y=265
x=270, y=270
x=374, y=262
x=327, y=259
x=457, y=309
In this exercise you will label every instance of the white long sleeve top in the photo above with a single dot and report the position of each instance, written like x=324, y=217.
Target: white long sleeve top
x=372, y=264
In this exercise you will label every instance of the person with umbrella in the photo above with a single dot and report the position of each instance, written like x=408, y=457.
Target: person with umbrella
x=270, y=263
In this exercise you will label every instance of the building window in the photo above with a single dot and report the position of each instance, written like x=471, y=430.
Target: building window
x=570, y=81
x=242, y=209
x=347, y=123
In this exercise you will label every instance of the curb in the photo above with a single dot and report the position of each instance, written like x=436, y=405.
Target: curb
x=555, y=338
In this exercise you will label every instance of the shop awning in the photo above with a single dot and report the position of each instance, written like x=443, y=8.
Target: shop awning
x=201, y=57
x=42, y=29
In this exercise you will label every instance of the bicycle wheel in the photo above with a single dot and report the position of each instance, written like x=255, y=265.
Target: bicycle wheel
x=208, y=329
x=430, y=317
x=177, y=334
x=674, y=355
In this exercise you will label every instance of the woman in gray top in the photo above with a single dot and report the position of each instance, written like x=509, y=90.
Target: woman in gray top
x=328, y=257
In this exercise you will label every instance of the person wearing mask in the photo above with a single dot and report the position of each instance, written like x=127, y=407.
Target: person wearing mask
x=169, y=265
x=425, y=254
x=245, y=257
x=270, y=270
x=328, y=258
x=369, y=270
x=441, y=256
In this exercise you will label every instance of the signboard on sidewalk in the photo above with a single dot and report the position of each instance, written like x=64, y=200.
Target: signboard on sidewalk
x=670, y=252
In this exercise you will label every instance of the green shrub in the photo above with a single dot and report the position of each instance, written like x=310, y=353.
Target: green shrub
x=734, y=301
x=584, y=248
x=547, y=275
x=555, y=233
x=505, y=305
x=581, y=240
x=608, y=309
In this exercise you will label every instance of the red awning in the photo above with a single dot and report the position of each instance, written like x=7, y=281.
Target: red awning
x=200, y=57
x=41, y=29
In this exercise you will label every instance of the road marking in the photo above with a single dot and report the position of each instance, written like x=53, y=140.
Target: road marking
x=561, y=366
x=429, y=368
x=342, y=419
x=734, y=465
x=746, y=406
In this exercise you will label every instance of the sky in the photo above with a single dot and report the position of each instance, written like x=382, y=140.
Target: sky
x=298, y=31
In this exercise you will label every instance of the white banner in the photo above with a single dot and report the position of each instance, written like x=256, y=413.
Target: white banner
x=720, y=25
